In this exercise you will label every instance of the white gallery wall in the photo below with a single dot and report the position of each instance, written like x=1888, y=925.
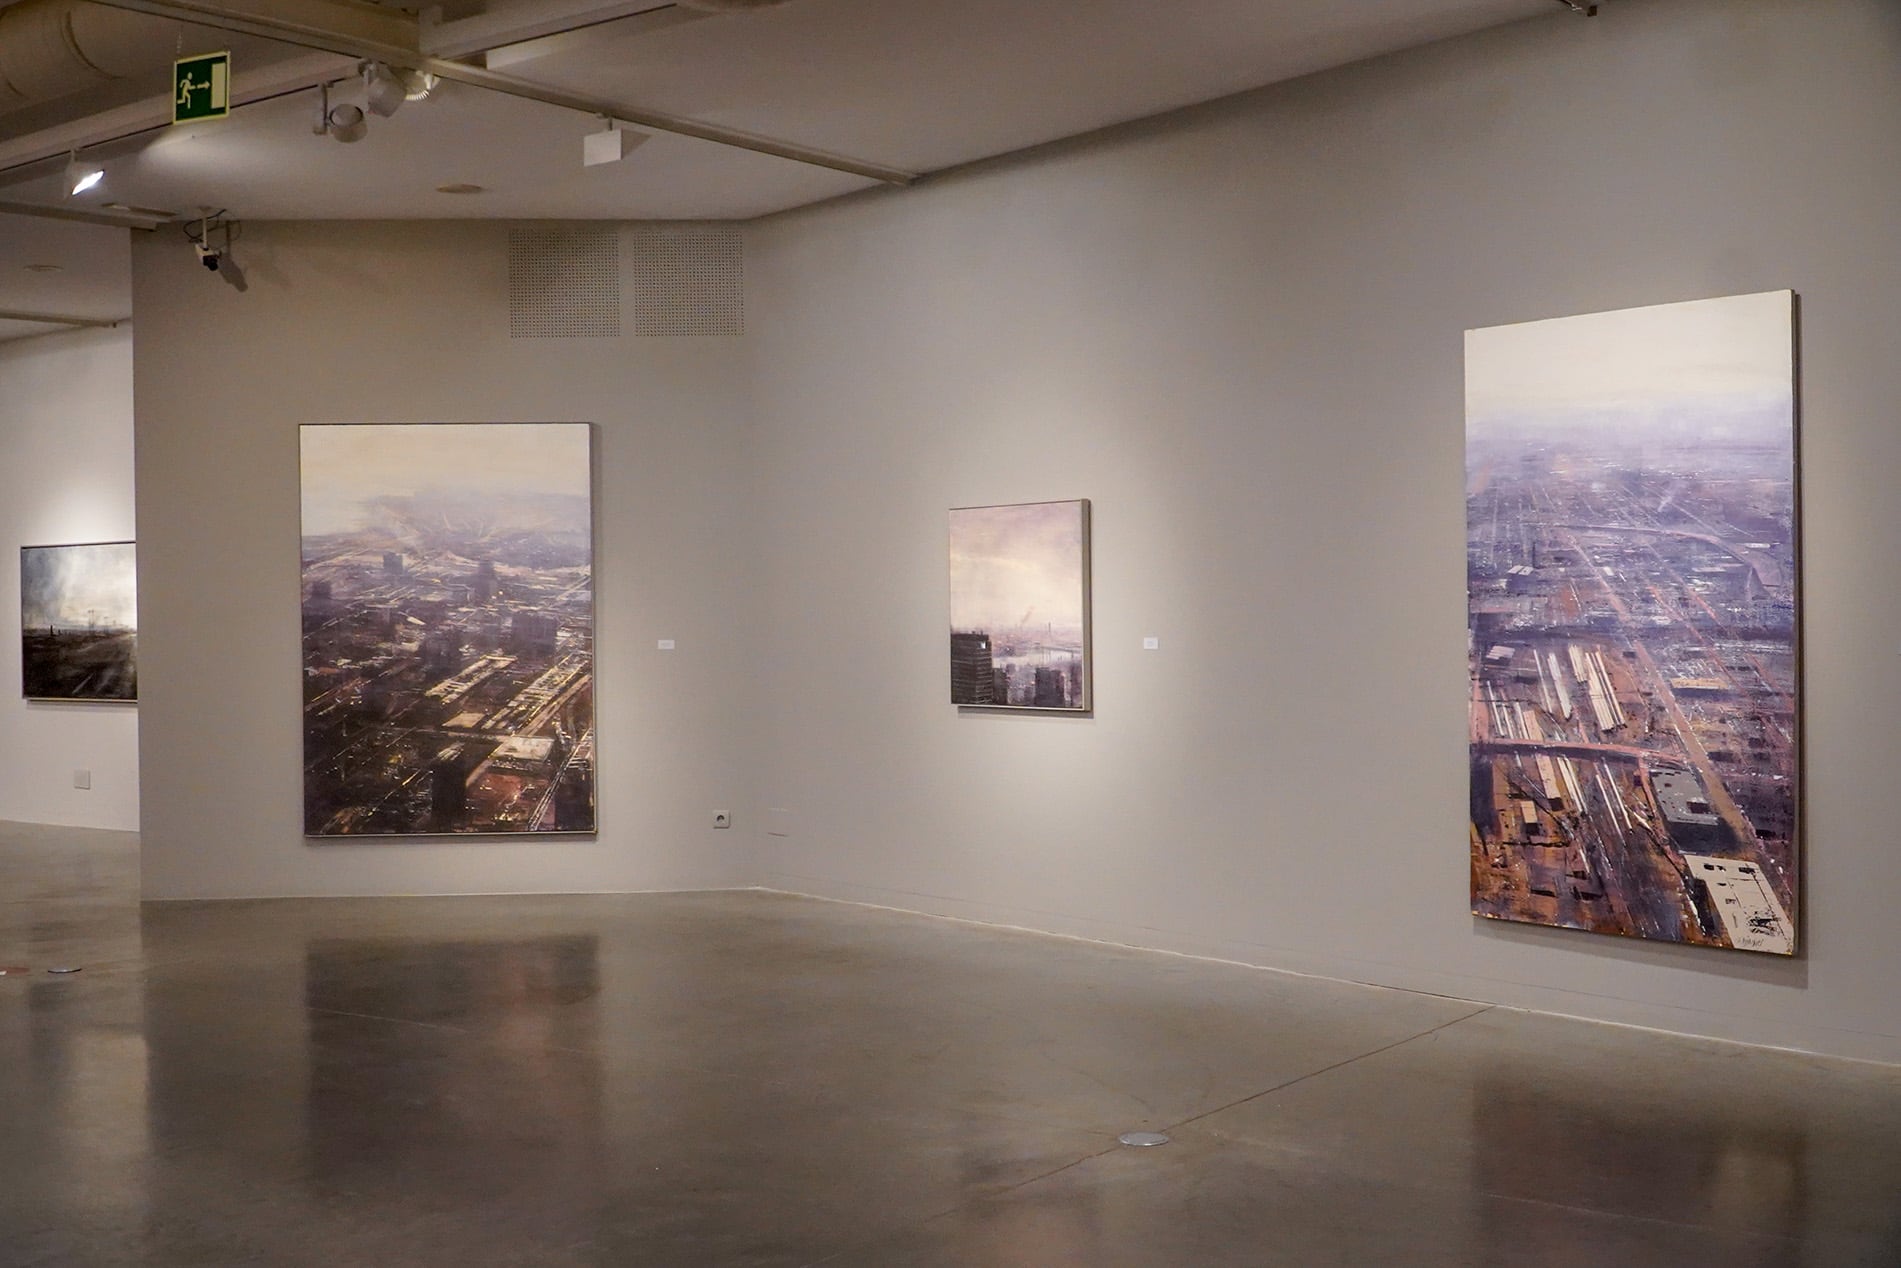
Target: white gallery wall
x=409, y=322
x=1239, y=332
x=65, y=476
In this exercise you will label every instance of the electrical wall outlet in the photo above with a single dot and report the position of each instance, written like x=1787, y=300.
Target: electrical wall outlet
x=721, y=819
x=82, y=779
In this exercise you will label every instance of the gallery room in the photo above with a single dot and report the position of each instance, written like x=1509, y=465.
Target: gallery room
x=793, y=632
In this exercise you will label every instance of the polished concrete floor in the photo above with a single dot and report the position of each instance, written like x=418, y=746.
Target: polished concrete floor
x=753, y=1079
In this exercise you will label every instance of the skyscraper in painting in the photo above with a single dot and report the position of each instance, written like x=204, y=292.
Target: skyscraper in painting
x=973, y=678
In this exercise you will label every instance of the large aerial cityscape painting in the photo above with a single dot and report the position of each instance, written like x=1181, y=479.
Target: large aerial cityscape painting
x=79, y=617
x=1631, y=564
x=1019, y=606
x=448, y=628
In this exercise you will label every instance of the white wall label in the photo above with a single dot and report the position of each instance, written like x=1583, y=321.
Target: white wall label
x=1151, y=644
x=666, y=644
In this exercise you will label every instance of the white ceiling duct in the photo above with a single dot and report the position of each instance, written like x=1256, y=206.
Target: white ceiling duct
x=49, y=48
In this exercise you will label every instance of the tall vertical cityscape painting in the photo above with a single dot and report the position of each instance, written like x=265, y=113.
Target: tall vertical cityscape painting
x=1631, y=564
x=1019, y=606
x=448, y=628
x=79, y=619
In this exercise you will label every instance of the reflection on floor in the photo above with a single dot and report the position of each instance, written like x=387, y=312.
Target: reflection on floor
x=751, y=1079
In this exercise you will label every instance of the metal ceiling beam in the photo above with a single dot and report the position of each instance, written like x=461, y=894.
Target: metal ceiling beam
x=110, y=219
x=55, y=319
x=656, y=121
x=267, y=23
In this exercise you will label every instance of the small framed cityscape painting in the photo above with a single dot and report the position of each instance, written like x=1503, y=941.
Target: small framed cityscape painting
x=79, y=622
x=1631, y=550
x=448, y=628
x=1019, y=606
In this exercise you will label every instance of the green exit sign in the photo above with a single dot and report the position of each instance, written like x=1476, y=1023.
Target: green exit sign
x=201, y=87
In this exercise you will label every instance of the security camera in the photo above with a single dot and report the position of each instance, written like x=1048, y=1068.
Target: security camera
x=211, y=236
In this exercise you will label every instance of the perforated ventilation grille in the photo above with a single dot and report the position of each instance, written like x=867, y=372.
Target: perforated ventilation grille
x=687, y=279
x=564, y=283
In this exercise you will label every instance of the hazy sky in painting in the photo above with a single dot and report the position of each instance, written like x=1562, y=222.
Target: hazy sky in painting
x=74, y=586
x=344, y=466
x=1006, y=561
x=1735, y=354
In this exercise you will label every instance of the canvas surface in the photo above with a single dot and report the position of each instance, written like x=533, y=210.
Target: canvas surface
x=1631, y=563
x=1019, y=606
x=79, y=618
x=448, y=629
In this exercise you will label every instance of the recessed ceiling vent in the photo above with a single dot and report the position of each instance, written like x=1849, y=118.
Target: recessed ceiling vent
x=564, y=282
x=686, y=279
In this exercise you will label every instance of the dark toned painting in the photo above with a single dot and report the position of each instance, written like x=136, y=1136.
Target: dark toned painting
x=448, y=629
x=1019, y=606
x=1631, y=585
x=79, y=622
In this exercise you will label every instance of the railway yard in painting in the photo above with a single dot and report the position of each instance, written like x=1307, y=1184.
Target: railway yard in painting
x=1632, y=622
x=1633, y=690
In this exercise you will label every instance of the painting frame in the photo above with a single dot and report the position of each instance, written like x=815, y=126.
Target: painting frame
x=1634, y=620
x=111, y=652
x=496, y=625
x=1068, y=668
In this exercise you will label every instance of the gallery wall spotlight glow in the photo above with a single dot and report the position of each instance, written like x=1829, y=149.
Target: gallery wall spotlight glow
x=81, y=177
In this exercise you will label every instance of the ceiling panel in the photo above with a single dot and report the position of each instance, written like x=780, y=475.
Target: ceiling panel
x=917, y=84
x=269, y=165
x=57, y=267
x=924, y=85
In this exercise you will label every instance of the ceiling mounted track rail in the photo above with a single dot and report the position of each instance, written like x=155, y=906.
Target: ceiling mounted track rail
x=129, y=220
x=55, y=319
x=309, y=24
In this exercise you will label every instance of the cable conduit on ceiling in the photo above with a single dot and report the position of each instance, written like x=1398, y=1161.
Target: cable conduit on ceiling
x=51, y=48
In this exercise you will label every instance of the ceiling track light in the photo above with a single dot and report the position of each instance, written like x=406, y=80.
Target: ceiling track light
x=342, y=122
x=386, y=87
x=1584, y=10
x=383, y=90
x=81, y=177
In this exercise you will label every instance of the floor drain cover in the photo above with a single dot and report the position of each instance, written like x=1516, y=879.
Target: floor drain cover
x=1143, y=1140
